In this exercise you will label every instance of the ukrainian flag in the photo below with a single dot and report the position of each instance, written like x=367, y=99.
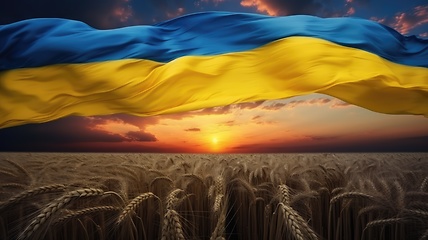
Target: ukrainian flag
x=51, y=68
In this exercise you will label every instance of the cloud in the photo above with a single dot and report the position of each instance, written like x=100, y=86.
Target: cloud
x=177, y=12
x=404, y=22
x=340, y=104
x=228, y=123
x=258, y=120
x=99, y=14
x=214, y=110
x=337, y=144
x=275, y=106
x=248, y=105
x=68, y=131
x=321, y=138
x=297, y=103
x=192, y=130
x=140, y=136
x=285, y=7
x=351, y=11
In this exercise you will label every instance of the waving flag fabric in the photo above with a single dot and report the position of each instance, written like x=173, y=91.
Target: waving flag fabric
x=51, y=68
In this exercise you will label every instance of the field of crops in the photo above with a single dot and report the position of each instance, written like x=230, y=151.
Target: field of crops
x=202, y=196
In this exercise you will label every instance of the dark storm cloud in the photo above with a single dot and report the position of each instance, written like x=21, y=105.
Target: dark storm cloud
x=322, y=138
x=70, y=130
x=320, y=144
x=140, y=136
x=97, y=13
x=66, y=130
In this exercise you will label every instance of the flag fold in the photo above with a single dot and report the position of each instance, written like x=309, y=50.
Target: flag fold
x=51, y=68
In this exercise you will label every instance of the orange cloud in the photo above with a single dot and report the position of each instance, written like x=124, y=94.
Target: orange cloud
x=350, y=11
x=123, y=13
x=280, y=7
x=339, y=104
x=178, y=12
x=261, y=7
x=404, y=22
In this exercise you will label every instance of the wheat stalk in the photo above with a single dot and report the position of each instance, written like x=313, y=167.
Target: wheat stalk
x=195, y=177
x=20, y=168
x=371, y=209
x=133, y=204
x=219, y=229
x=424, y=235
x=400, y=194
x=161, y=178
x=53, y=207
x=337, y=191
x=4, y=172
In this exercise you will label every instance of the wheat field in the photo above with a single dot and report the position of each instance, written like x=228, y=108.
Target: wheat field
x=202, y=196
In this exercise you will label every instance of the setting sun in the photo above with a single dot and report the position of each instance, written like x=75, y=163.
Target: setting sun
x=214, y=140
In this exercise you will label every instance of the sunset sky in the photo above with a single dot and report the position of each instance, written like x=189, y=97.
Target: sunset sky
x=312, y=123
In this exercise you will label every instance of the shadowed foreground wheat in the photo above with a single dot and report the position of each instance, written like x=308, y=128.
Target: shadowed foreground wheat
x=202, y=196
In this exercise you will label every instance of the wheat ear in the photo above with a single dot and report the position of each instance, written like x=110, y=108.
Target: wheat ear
x=133, y=204
x=384, y=222
x=284, y=194
x=296, y=223
x=424, y=185
x=172, y=228
x=53, y=207
x=172, y=199
x=33, y=192
x=351, y=195
x=218, y=202
x=415, y=212
x=86, y=211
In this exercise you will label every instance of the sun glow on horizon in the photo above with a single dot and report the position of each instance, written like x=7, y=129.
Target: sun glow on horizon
x=216, y=144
